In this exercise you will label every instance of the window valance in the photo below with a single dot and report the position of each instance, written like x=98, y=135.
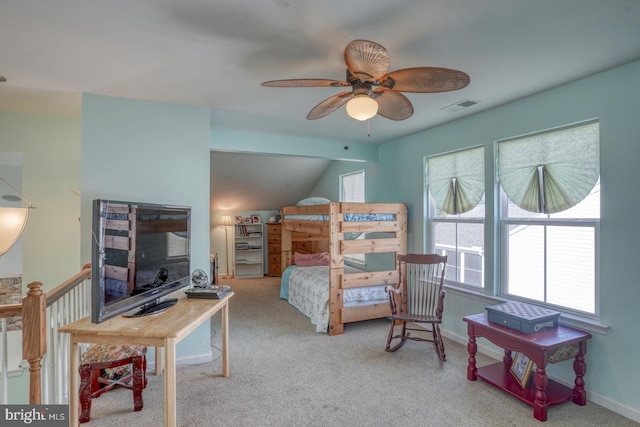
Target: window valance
x=553, y=171
x=456, y=180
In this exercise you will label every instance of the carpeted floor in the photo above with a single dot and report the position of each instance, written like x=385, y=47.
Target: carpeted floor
x=283, y=373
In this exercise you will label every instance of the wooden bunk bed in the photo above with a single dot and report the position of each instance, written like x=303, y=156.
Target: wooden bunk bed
x=329, y=225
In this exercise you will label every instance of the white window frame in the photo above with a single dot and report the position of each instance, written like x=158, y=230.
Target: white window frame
x=505, y=223
x=461, y=252
x=549, y=220
x=342, y=185
x=433, y=219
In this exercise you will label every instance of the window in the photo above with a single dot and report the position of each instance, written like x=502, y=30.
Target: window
x=352, y=190
x=550, y=217
x=455, y=183
x=352, y=187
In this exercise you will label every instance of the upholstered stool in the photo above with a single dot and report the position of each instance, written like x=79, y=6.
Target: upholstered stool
x=108, y=356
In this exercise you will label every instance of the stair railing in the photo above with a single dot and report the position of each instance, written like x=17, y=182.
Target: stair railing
x=46, y=350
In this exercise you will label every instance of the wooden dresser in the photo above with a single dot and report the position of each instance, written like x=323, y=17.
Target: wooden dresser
x=274, y=248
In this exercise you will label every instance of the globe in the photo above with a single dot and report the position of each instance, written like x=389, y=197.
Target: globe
x=199, y=279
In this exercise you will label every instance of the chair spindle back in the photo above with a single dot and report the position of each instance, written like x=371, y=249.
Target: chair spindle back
x=422, y=276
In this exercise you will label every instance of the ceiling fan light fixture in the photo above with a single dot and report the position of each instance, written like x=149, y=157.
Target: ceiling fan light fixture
x=375, y=90
x=362, y=107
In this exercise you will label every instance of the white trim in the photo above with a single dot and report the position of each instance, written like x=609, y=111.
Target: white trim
x=196, y=359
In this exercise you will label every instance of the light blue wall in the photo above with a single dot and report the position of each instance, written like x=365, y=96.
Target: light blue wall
x=149, y=152
x=377, y=189
x=50, y=177
x=50, y=180
x=613, y=98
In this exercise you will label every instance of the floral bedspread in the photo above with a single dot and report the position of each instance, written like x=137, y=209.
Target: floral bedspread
x=308, y=291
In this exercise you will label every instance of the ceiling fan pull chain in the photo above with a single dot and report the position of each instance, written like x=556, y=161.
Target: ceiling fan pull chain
x=346, y=121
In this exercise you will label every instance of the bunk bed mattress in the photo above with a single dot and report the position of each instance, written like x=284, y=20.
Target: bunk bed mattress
x=307, y=289
x=351, y=217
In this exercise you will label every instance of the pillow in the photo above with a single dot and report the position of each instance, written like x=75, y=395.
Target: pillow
x=308, y=260
x=313, y=201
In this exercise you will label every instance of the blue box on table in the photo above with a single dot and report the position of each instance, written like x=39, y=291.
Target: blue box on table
x=523, y=317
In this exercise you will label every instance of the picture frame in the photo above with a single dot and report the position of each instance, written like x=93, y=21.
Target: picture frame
x=521, y=368
x=247, y=220
x=239, y=219
x=255, y=219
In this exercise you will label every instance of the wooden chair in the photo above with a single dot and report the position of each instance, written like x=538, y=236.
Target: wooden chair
x=105, y=356
x=419, y=298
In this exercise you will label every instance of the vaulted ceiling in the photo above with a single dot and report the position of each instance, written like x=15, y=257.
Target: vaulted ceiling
x=241, y=182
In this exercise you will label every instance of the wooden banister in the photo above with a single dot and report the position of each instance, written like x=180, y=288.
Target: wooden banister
x=10, y=310
x=33, y=310
x=34, y=338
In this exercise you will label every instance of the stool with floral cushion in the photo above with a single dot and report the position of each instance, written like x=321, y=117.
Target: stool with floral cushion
x=112, y=359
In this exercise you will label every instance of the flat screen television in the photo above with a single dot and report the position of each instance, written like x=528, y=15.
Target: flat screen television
x=140, y=253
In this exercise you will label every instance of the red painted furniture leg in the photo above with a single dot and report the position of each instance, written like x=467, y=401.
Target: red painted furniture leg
x=139, y=381
x=85, y=393
x=472, y=347
x=580, y=368
x=540, y=402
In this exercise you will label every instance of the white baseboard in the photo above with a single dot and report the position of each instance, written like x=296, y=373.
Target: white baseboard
x=190, y=360
x=598, y=399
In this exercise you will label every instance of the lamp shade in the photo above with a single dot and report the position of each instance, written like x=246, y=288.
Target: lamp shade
x=362, y=107
x=12, y=222
x=226, y=221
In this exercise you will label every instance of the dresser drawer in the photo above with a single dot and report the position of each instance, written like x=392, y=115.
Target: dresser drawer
x=274, y=229
x=274, y=271
x=275, y=249
x=274, y=240
x=275, y=259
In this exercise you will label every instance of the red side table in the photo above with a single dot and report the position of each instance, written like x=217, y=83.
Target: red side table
x=549, y=346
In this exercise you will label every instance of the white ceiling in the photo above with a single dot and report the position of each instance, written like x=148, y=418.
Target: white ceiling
x=215, y=53
x=246, y=182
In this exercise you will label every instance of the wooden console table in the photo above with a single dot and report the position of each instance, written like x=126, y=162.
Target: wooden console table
x=164, y=329
x=549, y=346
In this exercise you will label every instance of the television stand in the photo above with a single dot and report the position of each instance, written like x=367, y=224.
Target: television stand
x=157, y=306
x=166, y=330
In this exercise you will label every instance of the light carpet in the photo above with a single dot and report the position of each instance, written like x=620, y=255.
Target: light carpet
x=283, y=373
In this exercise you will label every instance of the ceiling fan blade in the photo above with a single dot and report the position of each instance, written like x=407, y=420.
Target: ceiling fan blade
x=329, y=105
x=424, y=80
x=366, y=60
x=393, y=105
x=305, y=83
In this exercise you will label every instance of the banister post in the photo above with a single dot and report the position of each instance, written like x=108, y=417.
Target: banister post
x=34, y=339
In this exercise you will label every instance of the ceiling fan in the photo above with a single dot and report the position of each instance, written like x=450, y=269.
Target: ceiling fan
x=375, y=90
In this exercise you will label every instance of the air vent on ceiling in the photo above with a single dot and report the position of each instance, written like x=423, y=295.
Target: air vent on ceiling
x=461, y=105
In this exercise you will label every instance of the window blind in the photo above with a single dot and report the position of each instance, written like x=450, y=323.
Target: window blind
x=353, y=187
x=553, y=171
x=456, y=180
